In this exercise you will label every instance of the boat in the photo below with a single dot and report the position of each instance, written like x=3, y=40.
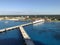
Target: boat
x=39, y=21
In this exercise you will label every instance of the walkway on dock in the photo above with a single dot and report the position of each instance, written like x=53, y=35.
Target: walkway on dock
x=26, y=37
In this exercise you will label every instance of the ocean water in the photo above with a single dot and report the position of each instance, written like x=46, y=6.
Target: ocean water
x=12, y=37
x=47, y=33
x=10, y=23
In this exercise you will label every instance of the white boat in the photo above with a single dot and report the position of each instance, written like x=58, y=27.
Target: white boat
x=39, y=21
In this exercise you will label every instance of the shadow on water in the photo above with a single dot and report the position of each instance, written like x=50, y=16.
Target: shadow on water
x=12, y=37
x=10, y=41
x=35, y=42
x=57, y=35
x=38, y=43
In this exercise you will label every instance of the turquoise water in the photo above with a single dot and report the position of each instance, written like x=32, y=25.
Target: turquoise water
x=47, y=33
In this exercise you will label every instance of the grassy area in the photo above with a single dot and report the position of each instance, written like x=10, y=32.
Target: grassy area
x=55, y=20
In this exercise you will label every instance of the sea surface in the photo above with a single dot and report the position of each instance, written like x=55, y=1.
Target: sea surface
x=10, y=23
x=47, y=33
x=12, y=37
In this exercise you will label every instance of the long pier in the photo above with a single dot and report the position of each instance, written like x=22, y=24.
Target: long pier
x=27, y=39
x=10, y=28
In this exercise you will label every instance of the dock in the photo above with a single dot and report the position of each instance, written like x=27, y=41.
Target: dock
x=7, y=29
x=26, y=37
x=10, y=28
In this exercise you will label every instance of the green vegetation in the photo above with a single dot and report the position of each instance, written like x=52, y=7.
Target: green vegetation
x=31, y=17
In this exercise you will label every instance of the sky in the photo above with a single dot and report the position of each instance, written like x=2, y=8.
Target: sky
x=29, y=7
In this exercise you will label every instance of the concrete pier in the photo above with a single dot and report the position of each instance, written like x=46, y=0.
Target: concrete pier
x=2, y=30
x=27, y=39
x=10, y=28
